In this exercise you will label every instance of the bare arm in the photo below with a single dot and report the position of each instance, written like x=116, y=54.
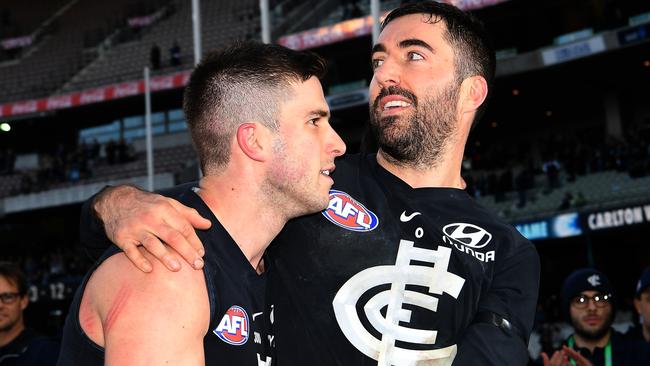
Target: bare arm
x=144, y=317
x=132, y=217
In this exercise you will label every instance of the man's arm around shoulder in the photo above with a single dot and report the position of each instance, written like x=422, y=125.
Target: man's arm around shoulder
x=146, y=319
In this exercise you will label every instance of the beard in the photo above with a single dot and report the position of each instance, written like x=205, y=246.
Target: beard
x=419, y=138
x=595, y=334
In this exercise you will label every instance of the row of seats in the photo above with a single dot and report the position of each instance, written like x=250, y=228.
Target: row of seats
x=220, y=24
x=21, y=18
x=597, y=188
x=61, y=53
x=169, y=160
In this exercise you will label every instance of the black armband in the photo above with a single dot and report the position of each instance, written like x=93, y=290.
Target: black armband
x=498, y=321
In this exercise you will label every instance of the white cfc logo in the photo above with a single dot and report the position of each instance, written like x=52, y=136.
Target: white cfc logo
x=437, y=279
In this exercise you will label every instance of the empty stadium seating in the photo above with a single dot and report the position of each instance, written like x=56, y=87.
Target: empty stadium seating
x=60, y=53
x=222, y=22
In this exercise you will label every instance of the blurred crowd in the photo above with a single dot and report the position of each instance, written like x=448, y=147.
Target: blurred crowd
x=497, y=169
x=65, y=164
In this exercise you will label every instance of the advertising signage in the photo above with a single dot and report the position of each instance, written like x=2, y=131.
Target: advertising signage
x=560, y=226
x=625, y=216
x=574, y=224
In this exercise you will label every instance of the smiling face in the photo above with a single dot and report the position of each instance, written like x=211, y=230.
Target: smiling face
x=304, y=149
x=414, y=91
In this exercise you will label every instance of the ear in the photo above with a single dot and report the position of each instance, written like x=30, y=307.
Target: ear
x=251, y=139
x=24, y=301
x=474, y=90
x=637, y=305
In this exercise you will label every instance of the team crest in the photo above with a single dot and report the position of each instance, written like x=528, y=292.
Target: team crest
x=349, y=214
x=233, y=327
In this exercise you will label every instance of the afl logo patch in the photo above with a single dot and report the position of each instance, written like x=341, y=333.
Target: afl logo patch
x=349, y=214
x=233, y=328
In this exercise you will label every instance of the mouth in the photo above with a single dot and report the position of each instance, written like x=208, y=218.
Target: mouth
x=328, y=171
x=394, y=104
x=593, y=320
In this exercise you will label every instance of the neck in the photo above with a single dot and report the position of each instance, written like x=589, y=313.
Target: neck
x=446, y=173
x=646, y=332
x=591, y=344
x=7, y=336
x=236, y=204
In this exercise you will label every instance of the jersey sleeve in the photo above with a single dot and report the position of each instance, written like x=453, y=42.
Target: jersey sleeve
x=91, y=231
x=513, y=296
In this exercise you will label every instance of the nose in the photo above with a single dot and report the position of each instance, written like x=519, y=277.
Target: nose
x=335, y=144
x=591, y=304
x=387, y=74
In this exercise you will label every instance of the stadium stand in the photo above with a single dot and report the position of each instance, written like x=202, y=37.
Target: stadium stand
x=168, y=160
x=19, y=18
x=222, y=22
x=62, y=51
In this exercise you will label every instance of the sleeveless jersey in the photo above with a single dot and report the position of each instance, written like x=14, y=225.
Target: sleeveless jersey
x=240, y=325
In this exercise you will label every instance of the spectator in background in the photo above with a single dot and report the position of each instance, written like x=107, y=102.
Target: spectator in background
x=638, y=338
x=566, y=201
x=175, y=54
x=642, y=305
x=154, y=57
x=523, y=182
x=552, y=170
x=587, y=302
x=20, y=346
x=111, y=152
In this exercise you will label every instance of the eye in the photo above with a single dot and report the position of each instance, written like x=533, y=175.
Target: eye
x=314, y=121
x=414, y=56
x=376, y=63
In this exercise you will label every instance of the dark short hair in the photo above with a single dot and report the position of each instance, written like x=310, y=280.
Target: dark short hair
x=473, y=50
x=12, y=273
x=246, y=81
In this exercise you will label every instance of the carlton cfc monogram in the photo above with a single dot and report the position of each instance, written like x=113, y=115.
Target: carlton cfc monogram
x=436, y=279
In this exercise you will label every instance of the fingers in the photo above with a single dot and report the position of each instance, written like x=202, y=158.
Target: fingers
x=189, y=220
x=181, y=242
x=545, y=359
x=132, y=217
x=577, y=357
x=559, y=358
x=134, y=255
x=158, y=250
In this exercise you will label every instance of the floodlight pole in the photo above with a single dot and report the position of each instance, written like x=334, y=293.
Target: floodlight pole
x=374, y=11
x=147, y=123
x=196, y=29
x=265, y=19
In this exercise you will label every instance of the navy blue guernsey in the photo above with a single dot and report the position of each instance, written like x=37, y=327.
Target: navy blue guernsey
x=240, y=325
x=391, y=275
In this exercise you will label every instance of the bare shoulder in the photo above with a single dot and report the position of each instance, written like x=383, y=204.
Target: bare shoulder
x=129, y=303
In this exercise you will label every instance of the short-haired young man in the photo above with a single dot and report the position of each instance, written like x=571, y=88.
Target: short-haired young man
x=20, y=346
x=260, y=125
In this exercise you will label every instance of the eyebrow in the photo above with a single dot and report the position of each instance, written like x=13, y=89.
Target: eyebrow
x=319, y=112
x=404, y=44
